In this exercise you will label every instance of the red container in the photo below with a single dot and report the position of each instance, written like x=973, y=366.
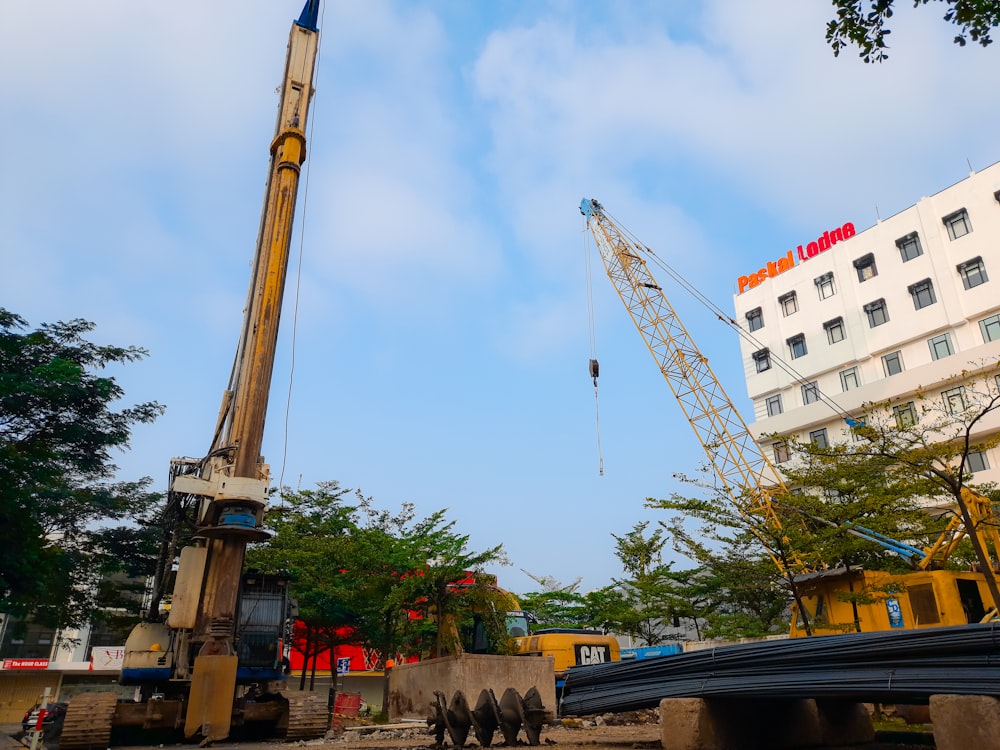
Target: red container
x=347, y=704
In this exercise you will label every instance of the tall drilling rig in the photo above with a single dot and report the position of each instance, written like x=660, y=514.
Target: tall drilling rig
x=215, y=660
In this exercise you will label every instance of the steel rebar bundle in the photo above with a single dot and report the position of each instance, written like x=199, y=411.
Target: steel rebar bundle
x=901, y=667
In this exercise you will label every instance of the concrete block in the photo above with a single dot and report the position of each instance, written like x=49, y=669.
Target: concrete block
x=844, y=723
x=961, y=722
x=698, y=724
x=412, y=686
x=685, y=725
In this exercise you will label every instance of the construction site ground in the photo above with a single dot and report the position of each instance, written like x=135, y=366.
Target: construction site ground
x=629, y=731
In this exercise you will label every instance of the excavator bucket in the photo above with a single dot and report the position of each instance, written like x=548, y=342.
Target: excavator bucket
x=210, y=707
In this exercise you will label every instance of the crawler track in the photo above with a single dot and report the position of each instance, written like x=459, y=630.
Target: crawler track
x=88, y=722
x=308, y=717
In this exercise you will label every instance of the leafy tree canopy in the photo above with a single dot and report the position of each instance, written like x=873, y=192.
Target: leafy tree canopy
x=361, y=574
x=735, y=590
x=60, y=425
x=863, y=23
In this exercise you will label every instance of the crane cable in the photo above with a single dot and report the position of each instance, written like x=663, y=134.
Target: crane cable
x=595, y=367
x=298, y=271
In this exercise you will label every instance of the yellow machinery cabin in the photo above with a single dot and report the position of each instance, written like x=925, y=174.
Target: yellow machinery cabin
x=569, y=647
x=847, y=600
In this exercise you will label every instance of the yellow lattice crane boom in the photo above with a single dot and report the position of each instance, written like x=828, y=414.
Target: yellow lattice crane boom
x=746, y=474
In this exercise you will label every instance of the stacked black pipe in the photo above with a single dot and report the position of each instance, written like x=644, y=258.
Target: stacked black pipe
x=886, y=667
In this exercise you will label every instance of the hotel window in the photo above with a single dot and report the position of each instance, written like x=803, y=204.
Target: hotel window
x=789, y=304
x=849, y=379
x=818, y=438
x=755, y=319
x=909, y=247
x=865, y=266
x=990, y=328
x=977, y=462
x=940, y=346
x=774, y=405
x=922, y=293
x=810, y=392
x=877, y=313
x=781, y=453
x=824, y=285
x=762, y=359
x=958, y=224
x=954, y=400
x=892, y=364
x=797, y=346
x=834, y=330
x=973, y=272
x=905, y=414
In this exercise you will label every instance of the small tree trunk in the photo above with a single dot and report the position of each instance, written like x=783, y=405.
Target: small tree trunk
x=306, y=651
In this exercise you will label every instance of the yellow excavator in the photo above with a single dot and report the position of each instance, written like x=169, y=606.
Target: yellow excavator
x=215, y=660
x=825, y=601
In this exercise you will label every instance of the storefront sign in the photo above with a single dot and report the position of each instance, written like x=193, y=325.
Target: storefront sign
x=107, y=657
x=25, y=663
x=811, y=250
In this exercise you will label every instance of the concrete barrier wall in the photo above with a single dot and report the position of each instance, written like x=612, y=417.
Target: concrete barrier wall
x=412, y=686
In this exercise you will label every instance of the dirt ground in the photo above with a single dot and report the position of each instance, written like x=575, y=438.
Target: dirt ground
x=632, y=730
x=638, y=730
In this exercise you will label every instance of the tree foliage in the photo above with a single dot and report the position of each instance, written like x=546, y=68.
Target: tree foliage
x=60, y=425
x=863, y=24
x=911, y=455
x=386, y=580
x=557, y=605
x=735, y=590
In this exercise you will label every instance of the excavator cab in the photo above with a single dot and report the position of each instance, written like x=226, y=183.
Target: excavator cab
x=517, y=623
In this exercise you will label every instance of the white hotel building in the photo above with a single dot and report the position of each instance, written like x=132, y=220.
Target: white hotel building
x=904, y=305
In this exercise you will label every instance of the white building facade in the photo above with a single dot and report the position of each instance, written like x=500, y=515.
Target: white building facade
x=875, y=315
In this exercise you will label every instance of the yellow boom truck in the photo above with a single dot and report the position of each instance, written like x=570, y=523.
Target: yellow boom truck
x=215, y=662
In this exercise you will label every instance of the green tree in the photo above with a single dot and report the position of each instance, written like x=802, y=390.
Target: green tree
x=644, y=603
x=451, y=589
x=557, y=605
x=917, y=453
x=59, y=429
x=862, y=23
x=735, y=591
x=313, y=532
x=724, y=529
x=359, y=572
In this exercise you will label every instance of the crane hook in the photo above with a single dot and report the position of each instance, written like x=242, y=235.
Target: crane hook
x=595, y=370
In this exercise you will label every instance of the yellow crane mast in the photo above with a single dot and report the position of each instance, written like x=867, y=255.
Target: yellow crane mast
x=926, y=598
x=216, y=658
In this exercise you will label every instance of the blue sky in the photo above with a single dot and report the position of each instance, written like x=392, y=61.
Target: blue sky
x=441, y=345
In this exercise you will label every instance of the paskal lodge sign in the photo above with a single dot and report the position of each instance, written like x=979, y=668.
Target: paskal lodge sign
x=811, y=250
